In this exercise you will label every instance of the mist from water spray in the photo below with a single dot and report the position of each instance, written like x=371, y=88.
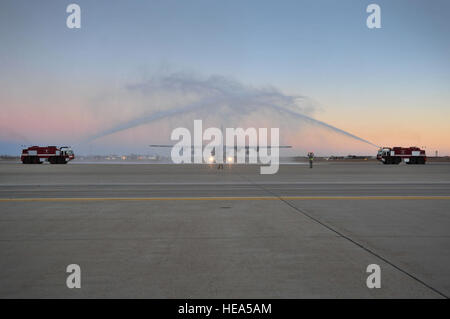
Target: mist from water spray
x=224, y=97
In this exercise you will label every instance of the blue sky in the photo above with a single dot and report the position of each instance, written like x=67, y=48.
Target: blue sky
x=287, y=43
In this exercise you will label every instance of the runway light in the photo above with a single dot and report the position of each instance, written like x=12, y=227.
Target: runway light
x=230, y=159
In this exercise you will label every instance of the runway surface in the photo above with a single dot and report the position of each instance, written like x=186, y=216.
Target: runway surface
x=190, y=231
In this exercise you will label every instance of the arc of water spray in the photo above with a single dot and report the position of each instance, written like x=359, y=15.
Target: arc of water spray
x=144, y=120
x=328, y=126
x=168, y=113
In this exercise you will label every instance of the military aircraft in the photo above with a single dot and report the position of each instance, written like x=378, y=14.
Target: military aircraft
x=226, y=157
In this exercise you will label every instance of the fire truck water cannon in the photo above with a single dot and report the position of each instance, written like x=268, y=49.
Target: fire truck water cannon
x=52, y=154
x=395, y=155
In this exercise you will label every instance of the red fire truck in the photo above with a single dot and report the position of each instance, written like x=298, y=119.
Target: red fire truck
x=52, y=154
x=394, y=155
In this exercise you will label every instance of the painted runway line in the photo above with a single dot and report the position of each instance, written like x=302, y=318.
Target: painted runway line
x=215, y=198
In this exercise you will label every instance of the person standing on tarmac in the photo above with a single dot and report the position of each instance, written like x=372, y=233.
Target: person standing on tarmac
x=311, y=159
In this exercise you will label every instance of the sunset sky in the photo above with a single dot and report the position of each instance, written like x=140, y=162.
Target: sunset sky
x=131, y=59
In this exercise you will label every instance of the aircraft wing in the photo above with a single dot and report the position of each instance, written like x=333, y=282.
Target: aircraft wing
x=268, y=146
x=235, y=147
x=166, y=145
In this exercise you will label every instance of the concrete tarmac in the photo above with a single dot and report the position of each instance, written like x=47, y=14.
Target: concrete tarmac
x=192, y=231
